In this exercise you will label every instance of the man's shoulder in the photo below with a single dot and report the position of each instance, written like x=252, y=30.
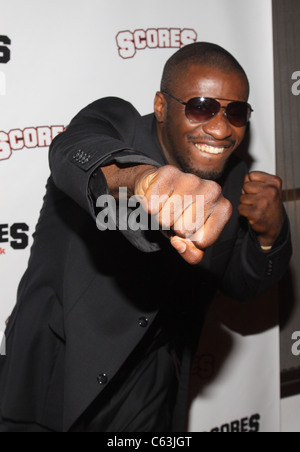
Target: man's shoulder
x=112, y=113
x=115, y=106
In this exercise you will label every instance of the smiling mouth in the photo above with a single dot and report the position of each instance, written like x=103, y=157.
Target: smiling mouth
x=212, y=150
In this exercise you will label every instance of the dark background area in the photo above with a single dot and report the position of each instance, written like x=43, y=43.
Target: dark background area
x=286, y=22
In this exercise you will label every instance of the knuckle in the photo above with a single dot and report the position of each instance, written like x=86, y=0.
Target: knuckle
x=262, y=204
x=225, y=211
x=278, y=182
x=273, y=192
x=216, y=189
x=255, y=218
x=212, y=191
x=191, y=182
x=228, y=207
x=169, y=173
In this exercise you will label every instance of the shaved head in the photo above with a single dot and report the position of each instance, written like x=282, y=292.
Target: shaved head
x=202, y=54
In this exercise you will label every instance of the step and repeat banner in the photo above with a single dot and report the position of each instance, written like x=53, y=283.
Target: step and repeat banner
x=56, y=57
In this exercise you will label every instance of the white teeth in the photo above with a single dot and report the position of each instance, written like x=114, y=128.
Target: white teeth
x=209, y=149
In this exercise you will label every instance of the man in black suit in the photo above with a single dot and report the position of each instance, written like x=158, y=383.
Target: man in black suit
x=106, y=322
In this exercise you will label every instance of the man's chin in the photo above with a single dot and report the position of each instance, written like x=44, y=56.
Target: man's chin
x=213, y=175
x=206, y=174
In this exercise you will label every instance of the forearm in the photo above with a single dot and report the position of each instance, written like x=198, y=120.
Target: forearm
x=100, y=135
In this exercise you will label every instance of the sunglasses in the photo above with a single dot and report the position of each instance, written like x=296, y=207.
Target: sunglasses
x=203, y=109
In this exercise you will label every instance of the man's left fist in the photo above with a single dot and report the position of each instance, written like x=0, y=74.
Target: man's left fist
x=261, y=204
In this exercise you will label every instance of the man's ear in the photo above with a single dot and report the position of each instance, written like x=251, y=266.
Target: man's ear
x=160, y=107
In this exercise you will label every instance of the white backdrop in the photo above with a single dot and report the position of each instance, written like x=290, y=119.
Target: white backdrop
x=64, y=54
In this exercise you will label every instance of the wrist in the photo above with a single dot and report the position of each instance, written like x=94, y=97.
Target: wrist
x=266, y=241
x=128, y=177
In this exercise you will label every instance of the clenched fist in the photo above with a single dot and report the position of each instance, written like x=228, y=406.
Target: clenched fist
x=166, y=190
x=261, y=204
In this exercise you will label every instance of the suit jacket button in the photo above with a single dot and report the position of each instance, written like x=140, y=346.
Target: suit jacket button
x=102, y=379
x=143, y=322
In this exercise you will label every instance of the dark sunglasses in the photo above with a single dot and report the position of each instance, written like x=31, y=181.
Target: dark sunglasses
x=203, y=109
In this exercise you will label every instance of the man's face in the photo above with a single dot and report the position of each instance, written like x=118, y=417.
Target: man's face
x=202, y=149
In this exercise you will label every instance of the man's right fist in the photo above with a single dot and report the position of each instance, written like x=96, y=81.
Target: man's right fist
x=173, y=198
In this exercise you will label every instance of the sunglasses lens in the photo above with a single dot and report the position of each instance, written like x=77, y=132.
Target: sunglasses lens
x=202, y=109
x=238, y=113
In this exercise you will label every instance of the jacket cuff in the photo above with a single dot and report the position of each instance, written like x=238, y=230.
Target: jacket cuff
x=270, y=266
x=280, y=241
x=144, y=241
x=98, y=185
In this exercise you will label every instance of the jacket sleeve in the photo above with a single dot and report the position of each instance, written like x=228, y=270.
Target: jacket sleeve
x=101, y=131
x=252, y=271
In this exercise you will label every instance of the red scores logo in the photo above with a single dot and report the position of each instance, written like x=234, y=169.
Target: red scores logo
x=29, y=138
x=164, y=38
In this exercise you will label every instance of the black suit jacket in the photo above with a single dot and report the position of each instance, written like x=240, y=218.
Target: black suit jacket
x=81, y=301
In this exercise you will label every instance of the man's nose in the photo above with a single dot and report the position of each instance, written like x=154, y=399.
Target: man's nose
x=218, y=127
